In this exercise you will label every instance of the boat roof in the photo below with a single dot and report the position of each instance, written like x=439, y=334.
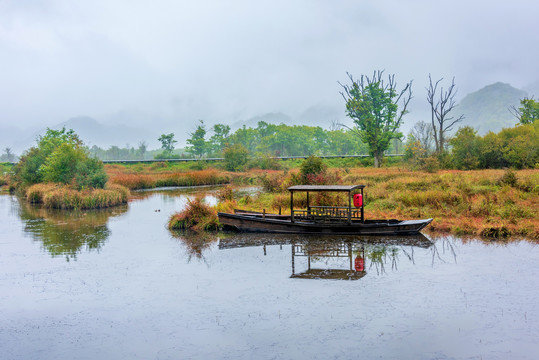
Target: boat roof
x=325, y=187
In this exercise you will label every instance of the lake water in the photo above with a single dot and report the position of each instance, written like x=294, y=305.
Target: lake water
x=116, y=284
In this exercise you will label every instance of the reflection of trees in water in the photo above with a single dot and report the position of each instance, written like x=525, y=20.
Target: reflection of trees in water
x=195, y=242
x=381, y=255
x=64, y=232
x=442, y=247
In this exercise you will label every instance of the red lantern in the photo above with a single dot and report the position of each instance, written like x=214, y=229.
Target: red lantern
x=359, y=264
x=358, y=200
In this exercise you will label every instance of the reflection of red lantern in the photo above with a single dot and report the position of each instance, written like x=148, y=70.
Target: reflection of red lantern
x=359, y=264
x=358, y=200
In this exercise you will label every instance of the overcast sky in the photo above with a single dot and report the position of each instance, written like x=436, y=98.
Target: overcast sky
x=171, y=62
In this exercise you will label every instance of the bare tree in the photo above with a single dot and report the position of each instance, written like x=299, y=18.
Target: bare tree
x=423, y=133
x=9, y=155
x=441, y=103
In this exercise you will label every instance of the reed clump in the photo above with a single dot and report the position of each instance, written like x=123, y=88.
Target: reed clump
x=56, y=196
x=196, y=216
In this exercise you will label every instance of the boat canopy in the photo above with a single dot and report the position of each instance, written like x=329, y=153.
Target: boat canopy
x=342, y=188
x=327, y=213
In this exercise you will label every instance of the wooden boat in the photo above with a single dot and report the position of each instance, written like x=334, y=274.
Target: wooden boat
x=343, y=220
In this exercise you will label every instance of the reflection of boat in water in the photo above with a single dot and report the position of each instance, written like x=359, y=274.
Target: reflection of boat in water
x=327, y=250
x=259, y=239
x=344, y=256
x=321, y=219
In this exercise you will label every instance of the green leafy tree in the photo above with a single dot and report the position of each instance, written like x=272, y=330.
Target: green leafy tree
x=528, y=112
x=167, y=144
x=60, y=157
x=466, y=148
x=197, y=142
x=236, y=156
x=372, y=104
x=219, y=138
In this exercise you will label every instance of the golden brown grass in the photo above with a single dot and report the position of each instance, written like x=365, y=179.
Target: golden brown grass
x=148, y=179
x=197, y=215
x=460, y=202
x=57, y=196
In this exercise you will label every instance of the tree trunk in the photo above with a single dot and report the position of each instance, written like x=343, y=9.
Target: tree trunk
x=378, y=159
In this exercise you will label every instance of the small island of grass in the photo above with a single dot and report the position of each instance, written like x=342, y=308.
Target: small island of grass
x=59, y=173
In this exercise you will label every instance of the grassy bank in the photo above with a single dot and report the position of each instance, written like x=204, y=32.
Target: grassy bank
x=149, y=177
x=492, y=203
x=57, y=196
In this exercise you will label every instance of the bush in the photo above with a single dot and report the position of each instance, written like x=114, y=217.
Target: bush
x=509, y=178
x=236, y=156
x=264, y=162
x=311, y=168
x=466, y=148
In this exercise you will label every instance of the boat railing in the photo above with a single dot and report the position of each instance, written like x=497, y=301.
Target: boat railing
x=327, y=214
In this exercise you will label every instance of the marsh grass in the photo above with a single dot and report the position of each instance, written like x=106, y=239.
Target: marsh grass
x=486, y=203
x=135, y=181
x=197, y=216
x=57, y=196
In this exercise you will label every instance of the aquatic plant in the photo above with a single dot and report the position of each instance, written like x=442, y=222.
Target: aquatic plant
x=197, y=216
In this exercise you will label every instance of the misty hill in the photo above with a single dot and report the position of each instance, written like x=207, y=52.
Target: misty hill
x=487, y=109
x=270, y=118
x=317, y=115
x=89, y=130
x=93, y=132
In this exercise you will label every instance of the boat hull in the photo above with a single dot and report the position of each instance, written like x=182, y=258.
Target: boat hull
x=283, y=224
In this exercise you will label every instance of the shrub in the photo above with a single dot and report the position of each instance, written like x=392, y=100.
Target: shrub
x=466, y=148
x=271, y=183
x=225, y=194
x=236, y=156
x=509, y=178
x=264, y=162
x=311, y=168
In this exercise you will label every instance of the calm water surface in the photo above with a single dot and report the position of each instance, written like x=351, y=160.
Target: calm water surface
x=117, y=284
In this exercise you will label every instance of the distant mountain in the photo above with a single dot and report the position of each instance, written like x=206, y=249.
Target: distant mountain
x=89, y=130
x=93, y=132
x=487, y=109
x=317, y=115
x=271, y=118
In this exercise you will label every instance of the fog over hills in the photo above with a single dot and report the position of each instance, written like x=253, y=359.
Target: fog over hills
x=487, y=109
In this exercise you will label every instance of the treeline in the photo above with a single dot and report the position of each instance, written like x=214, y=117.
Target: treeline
x=279, y=140
x=516, y=147
x=265, y=139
